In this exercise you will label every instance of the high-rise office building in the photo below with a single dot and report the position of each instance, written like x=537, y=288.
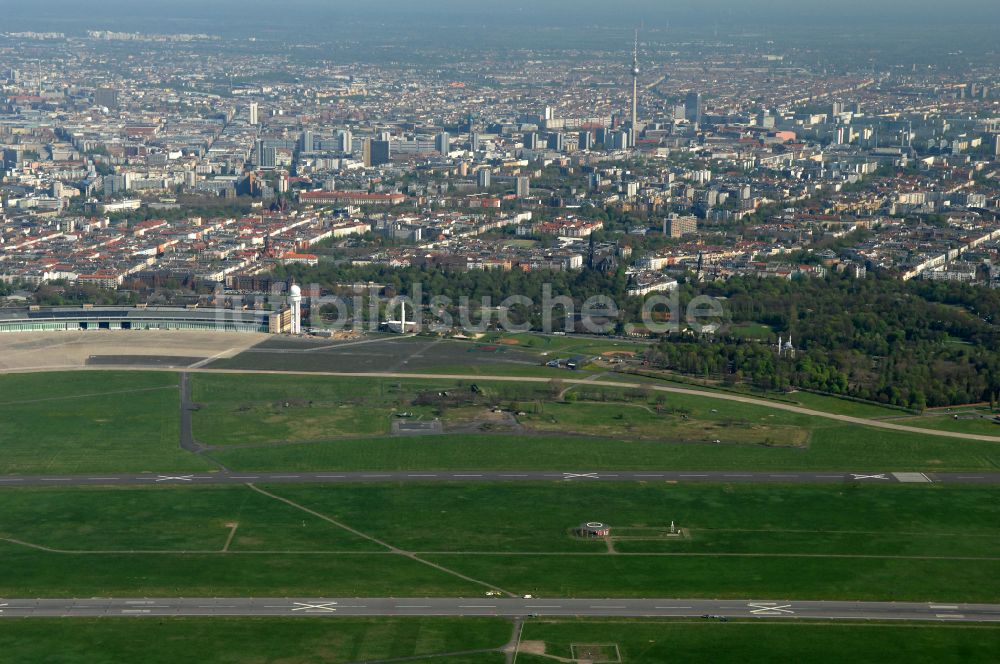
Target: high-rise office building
x=253, y=113
x=345, y=141
x=269, y=157
x=618, y=140
x=692, y=107
x=585, y=141
x=530, y=141
x=474, y=141
x=523, y=189
x=442, y=143
x=307, y=141
x=106, y=97
x=483, y=178
x=557, y=141
x=375, y=152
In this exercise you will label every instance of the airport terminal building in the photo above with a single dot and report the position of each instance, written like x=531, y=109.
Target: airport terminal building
x=40, y=319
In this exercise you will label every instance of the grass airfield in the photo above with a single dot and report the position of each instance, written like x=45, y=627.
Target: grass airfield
x=840, y=541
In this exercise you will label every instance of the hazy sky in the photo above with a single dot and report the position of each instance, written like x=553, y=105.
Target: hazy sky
x=231, y=13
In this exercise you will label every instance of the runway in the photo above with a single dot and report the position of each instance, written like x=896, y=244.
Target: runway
x=505, y=607
x=333, y=477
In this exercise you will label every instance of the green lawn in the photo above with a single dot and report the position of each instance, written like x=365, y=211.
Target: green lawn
x=249, y=640
x=79, y=422
x=838, y=406
x=893, y=542
x=241, y=409
x=832, y=447
x=784, y=577
x=197, y=519
x=745, y=518
x=42, y=574
x=949, y=423
x=656, y=641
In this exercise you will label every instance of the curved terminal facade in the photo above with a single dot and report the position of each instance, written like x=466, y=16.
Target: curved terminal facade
x=143, y=318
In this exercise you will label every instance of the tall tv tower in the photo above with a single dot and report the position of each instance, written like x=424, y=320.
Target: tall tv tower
x=635, y=88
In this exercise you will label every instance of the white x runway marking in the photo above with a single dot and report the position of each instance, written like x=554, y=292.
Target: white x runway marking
x=311, y=608
x=769, y=609
x=880, y=476
x=569, y=476
x=178, y=478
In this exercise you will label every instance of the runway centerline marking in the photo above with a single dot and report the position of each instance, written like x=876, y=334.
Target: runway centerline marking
x=174, y=478
x=314, y=608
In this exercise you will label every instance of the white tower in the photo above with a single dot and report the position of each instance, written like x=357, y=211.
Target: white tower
x=635, y=89
x=296, y=293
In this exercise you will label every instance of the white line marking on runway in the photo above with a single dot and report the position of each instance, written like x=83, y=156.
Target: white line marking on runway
x=879, y=476
x=513, y=476
x=413, y=606
x=671, y=607
x=690, y=475
x=314, y=608
x=379, y=475
x=769, y=608
x=330, y=477
x=284, y=477
x=102, y=478
x=55, y=479
x=543, y=606
x=569, y=476
x=174, y=478
x=949, y=615
x=604, y=606
x=477, y=606
x=465, y=475
x=427, y=475
x=947, y=607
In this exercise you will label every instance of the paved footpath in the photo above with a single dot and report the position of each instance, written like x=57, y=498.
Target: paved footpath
x=506, y=607
x=333, y=477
